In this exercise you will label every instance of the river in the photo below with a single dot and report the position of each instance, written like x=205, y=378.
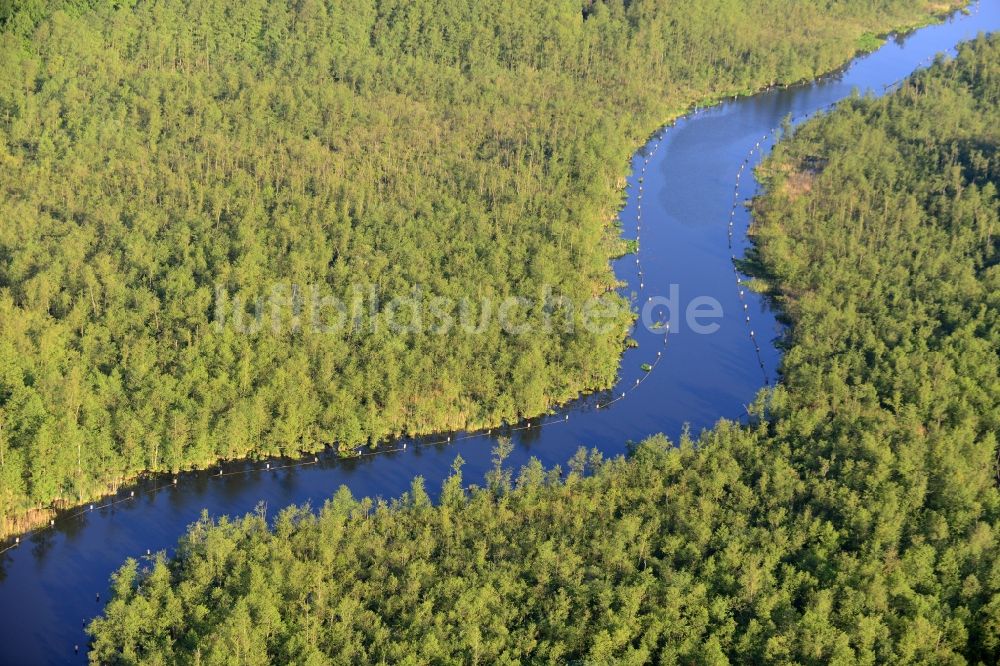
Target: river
x=49, y=584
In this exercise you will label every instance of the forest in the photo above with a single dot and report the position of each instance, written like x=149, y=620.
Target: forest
x=853, y=521
x=157, y=155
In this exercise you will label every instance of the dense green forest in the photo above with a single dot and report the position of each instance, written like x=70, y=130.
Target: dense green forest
x=854, y=521
x=157, y=155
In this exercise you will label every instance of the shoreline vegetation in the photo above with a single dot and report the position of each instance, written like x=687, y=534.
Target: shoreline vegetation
x=857, y=520
x=108, y=372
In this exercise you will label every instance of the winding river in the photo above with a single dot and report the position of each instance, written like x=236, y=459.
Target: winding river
x=49, y=584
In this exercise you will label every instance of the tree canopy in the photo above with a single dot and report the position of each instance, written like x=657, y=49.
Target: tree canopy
x=164, y=164
x=855, y=520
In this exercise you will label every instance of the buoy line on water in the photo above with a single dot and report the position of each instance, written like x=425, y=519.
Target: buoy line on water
x=755, y=150
x=793, y=120
x=641, y=276
x=632, y=387
x=655, y=145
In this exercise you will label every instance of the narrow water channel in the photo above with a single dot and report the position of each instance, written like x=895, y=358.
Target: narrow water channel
x=48, y=585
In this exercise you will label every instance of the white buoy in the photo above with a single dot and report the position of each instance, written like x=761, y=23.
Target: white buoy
x=52, y=523
x=91, y=507
x=659, y=353
x=404, y=446
x=267, y=466
x=17, y=541
x=623, y=394
x=175, y=481
x=637, y=382
x=132, y=494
